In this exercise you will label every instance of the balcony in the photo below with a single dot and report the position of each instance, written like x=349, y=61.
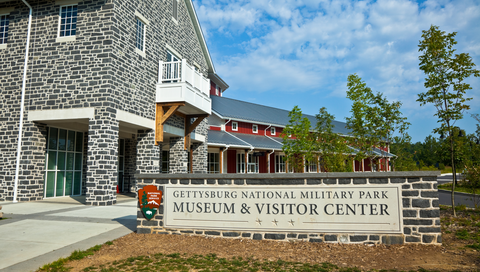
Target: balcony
x=178, y=82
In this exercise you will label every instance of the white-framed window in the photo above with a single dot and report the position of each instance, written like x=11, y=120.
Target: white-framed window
x=218, y=90
x=234, y=126
x=67, y=21
x=253, y=163
x=273, y=131
x=175, y=10
x=213, y=163
x=4, y=22
x=279, y=164
x=140, y=35
x=255, y=128
x=311, y=166
x=241, y=163
x=141, y=24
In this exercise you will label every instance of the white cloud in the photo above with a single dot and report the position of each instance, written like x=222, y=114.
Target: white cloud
x=310, y=46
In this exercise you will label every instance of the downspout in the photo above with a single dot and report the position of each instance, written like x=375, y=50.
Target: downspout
x=22, y=107
x=269, y=155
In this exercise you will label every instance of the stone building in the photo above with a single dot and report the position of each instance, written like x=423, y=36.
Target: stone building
x=96, y=91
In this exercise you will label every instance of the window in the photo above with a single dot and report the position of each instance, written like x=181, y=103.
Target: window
x=272, y=131
x=311, y=166
x=255, y=128
x=165, y=161
x=213, y=163
x=64, y=163
x=68, y=21
x=253, y=163
x=279, y=164
x=4, y=29
x=234, y=126
x=140, y=37
x=241, y=163
x=175, y=9
x=218, y=90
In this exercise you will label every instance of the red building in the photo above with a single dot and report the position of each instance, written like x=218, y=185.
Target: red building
x=245, y=138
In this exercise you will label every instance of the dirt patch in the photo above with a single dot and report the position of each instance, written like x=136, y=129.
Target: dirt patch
x=452, y=255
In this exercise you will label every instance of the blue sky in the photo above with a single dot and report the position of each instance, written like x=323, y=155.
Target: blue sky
x=283, y=53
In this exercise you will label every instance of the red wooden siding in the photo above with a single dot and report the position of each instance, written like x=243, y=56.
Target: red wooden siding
x=247, y=128
x=215, y=128
x=231, y=161
x=212, y=88
x=272, y=163
x=263, y=164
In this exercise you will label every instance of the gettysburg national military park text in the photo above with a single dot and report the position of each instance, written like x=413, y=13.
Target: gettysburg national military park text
x=284, y=208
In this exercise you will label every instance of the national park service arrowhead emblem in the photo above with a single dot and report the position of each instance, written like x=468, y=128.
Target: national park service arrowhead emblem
x=149, y=198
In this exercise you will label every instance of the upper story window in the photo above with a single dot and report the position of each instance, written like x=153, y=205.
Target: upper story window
x=273, y=131
x=255, y=128
x=171, y=57
x=140, y=36
x=218, y=91
x=68, y=21
x=175, y=9
x=140, y=33
x=3, y=28
x=234, y=126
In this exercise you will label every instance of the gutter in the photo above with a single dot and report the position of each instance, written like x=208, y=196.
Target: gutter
x=22, y=103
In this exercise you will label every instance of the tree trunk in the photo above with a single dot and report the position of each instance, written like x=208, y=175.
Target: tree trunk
x=453, y=172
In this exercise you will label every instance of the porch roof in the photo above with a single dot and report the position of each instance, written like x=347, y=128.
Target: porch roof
x=240, y=140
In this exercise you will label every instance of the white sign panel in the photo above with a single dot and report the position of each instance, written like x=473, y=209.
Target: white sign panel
x=285, y=208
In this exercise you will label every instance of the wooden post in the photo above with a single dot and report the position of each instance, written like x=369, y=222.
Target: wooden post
x=221, y=160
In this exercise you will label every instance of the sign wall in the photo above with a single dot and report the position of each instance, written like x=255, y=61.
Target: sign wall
x=366, y=209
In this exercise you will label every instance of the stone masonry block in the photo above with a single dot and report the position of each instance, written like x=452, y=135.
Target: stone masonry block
x=429, y=213
x=420, y=203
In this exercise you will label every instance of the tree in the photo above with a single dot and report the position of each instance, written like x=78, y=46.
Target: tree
x=297, y=139
x=303, y=143
x=401, y=147
x=331, y=146
x=361, y=122
x=445, y=74
x=374, y=119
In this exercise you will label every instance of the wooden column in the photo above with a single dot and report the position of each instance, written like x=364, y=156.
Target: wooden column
x=221, y=160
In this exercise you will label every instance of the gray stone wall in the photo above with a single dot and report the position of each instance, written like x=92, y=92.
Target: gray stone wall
x=178, y=156
x=148, y=154
x=420, y=207
x=100, y=70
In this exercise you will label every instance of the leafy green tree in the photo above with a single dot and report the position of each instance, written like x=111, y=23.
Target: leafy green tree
x=445, y=74
x=401, y=147
x=298, y=140
x=331, y=146
x=374, y=119
x=361, y=122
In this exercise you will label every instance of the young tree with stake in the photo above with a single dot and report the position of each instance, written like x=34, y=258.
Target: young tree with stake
x=445, y=74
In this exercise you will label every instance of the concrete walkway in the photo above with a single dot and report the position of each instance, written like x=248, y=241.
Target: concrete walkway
x=40, y=232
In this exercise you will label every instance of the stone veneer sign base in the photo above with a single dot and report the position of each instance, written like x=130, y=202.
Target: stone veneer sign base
x=386, y=208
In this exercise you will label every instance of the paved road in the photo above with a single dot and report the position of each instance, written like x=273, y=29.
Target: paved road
x=447, y=178
x=40, y=232
x=445, y=197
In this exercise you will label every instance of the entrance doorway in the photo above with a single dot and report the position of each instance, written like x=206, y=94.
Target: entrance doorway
x=64, y=163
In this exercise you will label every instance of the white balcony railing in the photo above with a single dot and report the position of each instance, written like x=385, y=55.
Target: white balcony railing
x=179, y=82
x=181, y=71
